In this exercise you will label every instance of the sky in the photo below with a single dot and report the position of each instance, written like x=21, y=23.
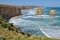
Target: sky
x=47, y=3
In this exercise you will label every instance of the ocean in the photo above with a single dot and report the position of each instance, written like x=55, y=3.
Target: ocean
x=40, y=25
x=47, y=10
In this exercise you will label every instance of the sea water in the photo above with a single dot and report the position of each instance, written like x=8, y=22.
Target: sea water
x=40, y=25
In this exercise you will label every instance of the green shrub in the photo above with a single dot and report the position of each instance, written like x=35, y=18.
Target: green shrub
x=2, y=19
x=4, y=25
x=2, y=38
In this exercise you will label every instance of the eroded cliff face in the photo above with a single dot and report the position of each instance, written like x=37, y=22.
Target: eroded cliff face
x=9, y=11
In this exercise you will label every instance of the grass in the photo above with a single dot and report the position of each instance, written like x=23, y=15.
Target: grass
x=8, y=32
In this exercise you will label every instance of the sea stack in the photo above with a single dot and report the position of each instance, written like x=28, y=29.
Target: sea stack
x=52, y=13
x=39, y=11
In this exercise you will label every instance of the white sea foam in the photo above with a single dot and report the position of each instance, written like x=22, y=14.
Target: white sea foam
x=39, y=16
x=45, y=33
x=51, y=33
x=29, y=24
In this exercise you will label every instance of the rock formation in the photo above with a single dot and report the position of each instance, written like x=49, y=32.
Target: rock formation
x=9, y=11
x=52, y=12
x=39, y=11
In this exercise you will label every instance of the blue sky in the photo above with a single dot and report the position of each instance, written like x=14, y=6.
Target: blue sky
x=49, y=3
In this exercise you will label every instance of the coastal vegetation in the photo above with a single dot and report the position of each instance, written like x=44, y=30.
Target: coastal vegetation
x=10, y=32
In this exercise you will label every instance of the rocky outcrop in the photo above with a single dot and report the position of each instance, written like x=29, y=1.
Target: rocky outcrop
x=9, y=11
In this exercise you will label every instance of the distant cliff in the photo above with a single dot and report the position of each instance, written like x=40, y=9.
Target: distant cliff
x=8, y=11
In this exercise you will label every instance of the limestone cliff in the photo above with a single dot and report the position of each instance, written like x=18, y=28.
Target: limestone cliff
x=8, y=11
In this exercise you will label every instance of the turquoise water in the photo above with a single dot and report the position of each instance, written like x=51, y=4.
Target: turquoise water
x=37, y=25
x=46, y=10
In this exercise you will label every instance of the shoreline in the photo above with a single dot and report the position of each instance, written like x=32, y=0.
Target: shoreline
x=15, y=17
x=40, y=29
